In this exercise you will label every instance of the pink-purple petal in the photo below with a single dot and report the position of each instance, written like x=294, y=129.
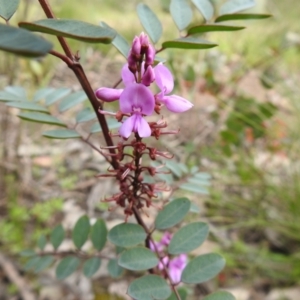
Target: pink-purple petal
x=175, y=275
x=135, y=123
x=137, y=96
x=176, y=103
x=127, y=127
x=108, y=94
x=163, y=262
x=166, y=238
x=143, y=127
x=127, y=75
x=164, y=78
x=176, y=266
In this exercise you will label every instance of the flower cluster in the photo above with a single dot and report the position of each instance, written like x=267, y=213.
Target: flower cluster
x=174, y=265
x=136, y=99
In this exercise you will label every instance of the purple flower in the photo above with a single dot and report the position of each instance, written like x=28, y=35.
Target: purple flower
x=137, y=100
x=163, y=243
x=176, y=264
x=165, y=82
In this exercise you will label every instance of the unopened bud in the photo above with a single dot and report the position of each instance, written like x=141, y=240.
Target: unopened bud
x=144, y=40
x=150, y=54
x=148, y=76
x=108, y=94
x=132, y=66
x=136, y=47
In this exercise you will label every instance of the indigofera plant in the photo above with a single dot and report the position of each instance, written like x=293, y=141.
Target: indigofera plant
x=141, y=170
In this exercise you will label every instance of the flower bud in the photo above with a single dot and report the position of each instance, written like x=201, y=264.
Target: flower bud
x=132, y=66
x=176, y=104
x=144, y=40
x=136, y=47
x=108, y=94
x=148, y=76
x=150, y=54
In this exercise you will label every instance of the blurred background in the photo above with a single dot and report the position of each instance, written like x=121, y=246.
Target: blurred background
x=243, y=131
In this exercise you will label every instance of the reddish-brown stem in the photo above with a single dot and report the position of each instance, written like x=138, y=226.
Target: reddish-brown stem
x=72, y=62
x=76, y=67
x=48, y=12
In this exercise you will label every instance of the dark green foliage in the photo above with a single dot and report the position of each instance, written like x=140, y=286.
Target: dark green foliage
x=127, y=235
x=99, y=234
x=173, y=213
x=66, y=267
x=81, y=231
x=149, y=287
x=247, y=114
x=57, y=236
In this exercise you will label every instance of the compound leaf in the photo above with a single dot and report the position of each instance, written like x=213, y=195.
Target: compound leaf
x=81, y=231
x=74, y=29
x=114, y=269
x=87, y=114
x=233, y=6
x=173, y=213
x=42, y=241
x=57, y=236
x=28, y=106
x=43, y=263
x=66, y=267
x=212, y=27
x=222, y=295
x=233, y=17
x=112, y=124
x=205, y=7
x=41, y=118
x=99, y=234
x=42, y=93
x=181, y=13
x=194, y=187
x=16, y=90
x=203, y=268
x=119, y=42
x=6, y=96
x=21, y=42
x=137, y=259
x=150, y=22
x=188, y=43
x=149, y=287
x=188, y=238
x=61, y=134
x=127, y=235
x=56, y=95
x=91, y=266
x=71, y=100
x=8, y=8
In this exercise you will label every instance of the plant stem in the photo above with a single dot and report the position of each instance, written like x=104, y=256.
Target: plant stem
x=76, y=67
x=173, y=285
